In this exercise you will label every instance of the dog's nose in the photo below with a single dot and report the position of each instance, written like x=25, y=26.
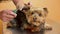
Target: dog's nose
x=34, y=19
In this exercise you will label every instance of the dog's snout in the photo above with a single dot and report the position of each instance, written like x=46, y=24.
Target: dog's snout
x=34, y=19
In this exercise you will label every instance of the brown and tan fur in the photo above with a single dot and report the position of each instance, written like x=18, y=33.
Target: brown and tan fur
x=35, y=18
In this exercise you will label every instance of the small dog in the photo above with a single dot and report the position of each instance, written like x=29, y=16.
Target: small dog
x=36, y=19
x=32, y=19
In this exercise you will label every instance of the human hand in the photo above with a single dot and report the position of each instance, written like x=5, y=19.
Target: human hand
x=7, y=15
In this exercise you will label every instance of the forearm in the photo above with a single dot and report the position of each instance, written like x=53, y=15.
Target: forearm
x=18, y=3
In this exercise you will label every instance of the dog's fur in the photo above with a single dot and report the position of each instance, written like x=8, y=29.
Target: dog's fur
x=32, y=19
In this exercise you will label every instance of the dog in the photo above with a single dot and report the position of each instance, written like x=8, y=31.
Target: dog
x=32, y=19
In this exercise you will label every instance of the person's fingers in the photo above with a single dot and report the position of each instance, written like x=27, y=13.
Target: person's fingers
x=7, y=15
x=10, y=16
x=5, y=19
x=11, y=13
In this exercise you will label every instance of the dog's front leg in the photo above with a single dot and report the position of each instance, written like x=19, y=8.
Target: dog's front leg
x=47, y=27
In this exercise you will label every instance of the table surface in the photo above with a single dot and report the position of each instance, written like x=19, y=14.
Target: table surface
x=55, y=29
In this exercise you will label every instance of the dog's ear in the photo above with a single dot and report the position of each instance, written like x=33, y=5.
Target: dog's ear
x=46, y=10
x=26, y=7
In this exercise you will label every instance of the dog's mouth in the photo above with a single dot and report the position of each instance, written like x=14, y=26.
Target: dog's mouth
x=35, y=23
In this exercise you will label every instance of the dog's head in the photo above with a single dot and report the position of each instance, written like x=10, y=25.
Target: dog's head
x=36, y=16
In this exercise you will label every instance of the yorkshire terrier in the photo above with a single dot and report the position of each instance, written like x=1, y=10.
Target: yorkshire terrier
x=32, y=19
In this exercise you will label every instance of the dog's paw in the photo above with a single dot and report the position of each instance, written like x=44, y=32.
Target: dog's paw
x=47, y=27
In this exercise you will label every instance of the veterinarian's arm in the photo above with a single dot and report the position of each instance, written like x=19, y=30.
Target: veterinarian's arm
x=18, y=3
x=7, y=15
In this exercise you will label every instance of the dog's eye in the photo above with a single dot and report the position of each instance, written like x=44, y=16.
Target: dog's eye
x=40, y=14
x=32, y=13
